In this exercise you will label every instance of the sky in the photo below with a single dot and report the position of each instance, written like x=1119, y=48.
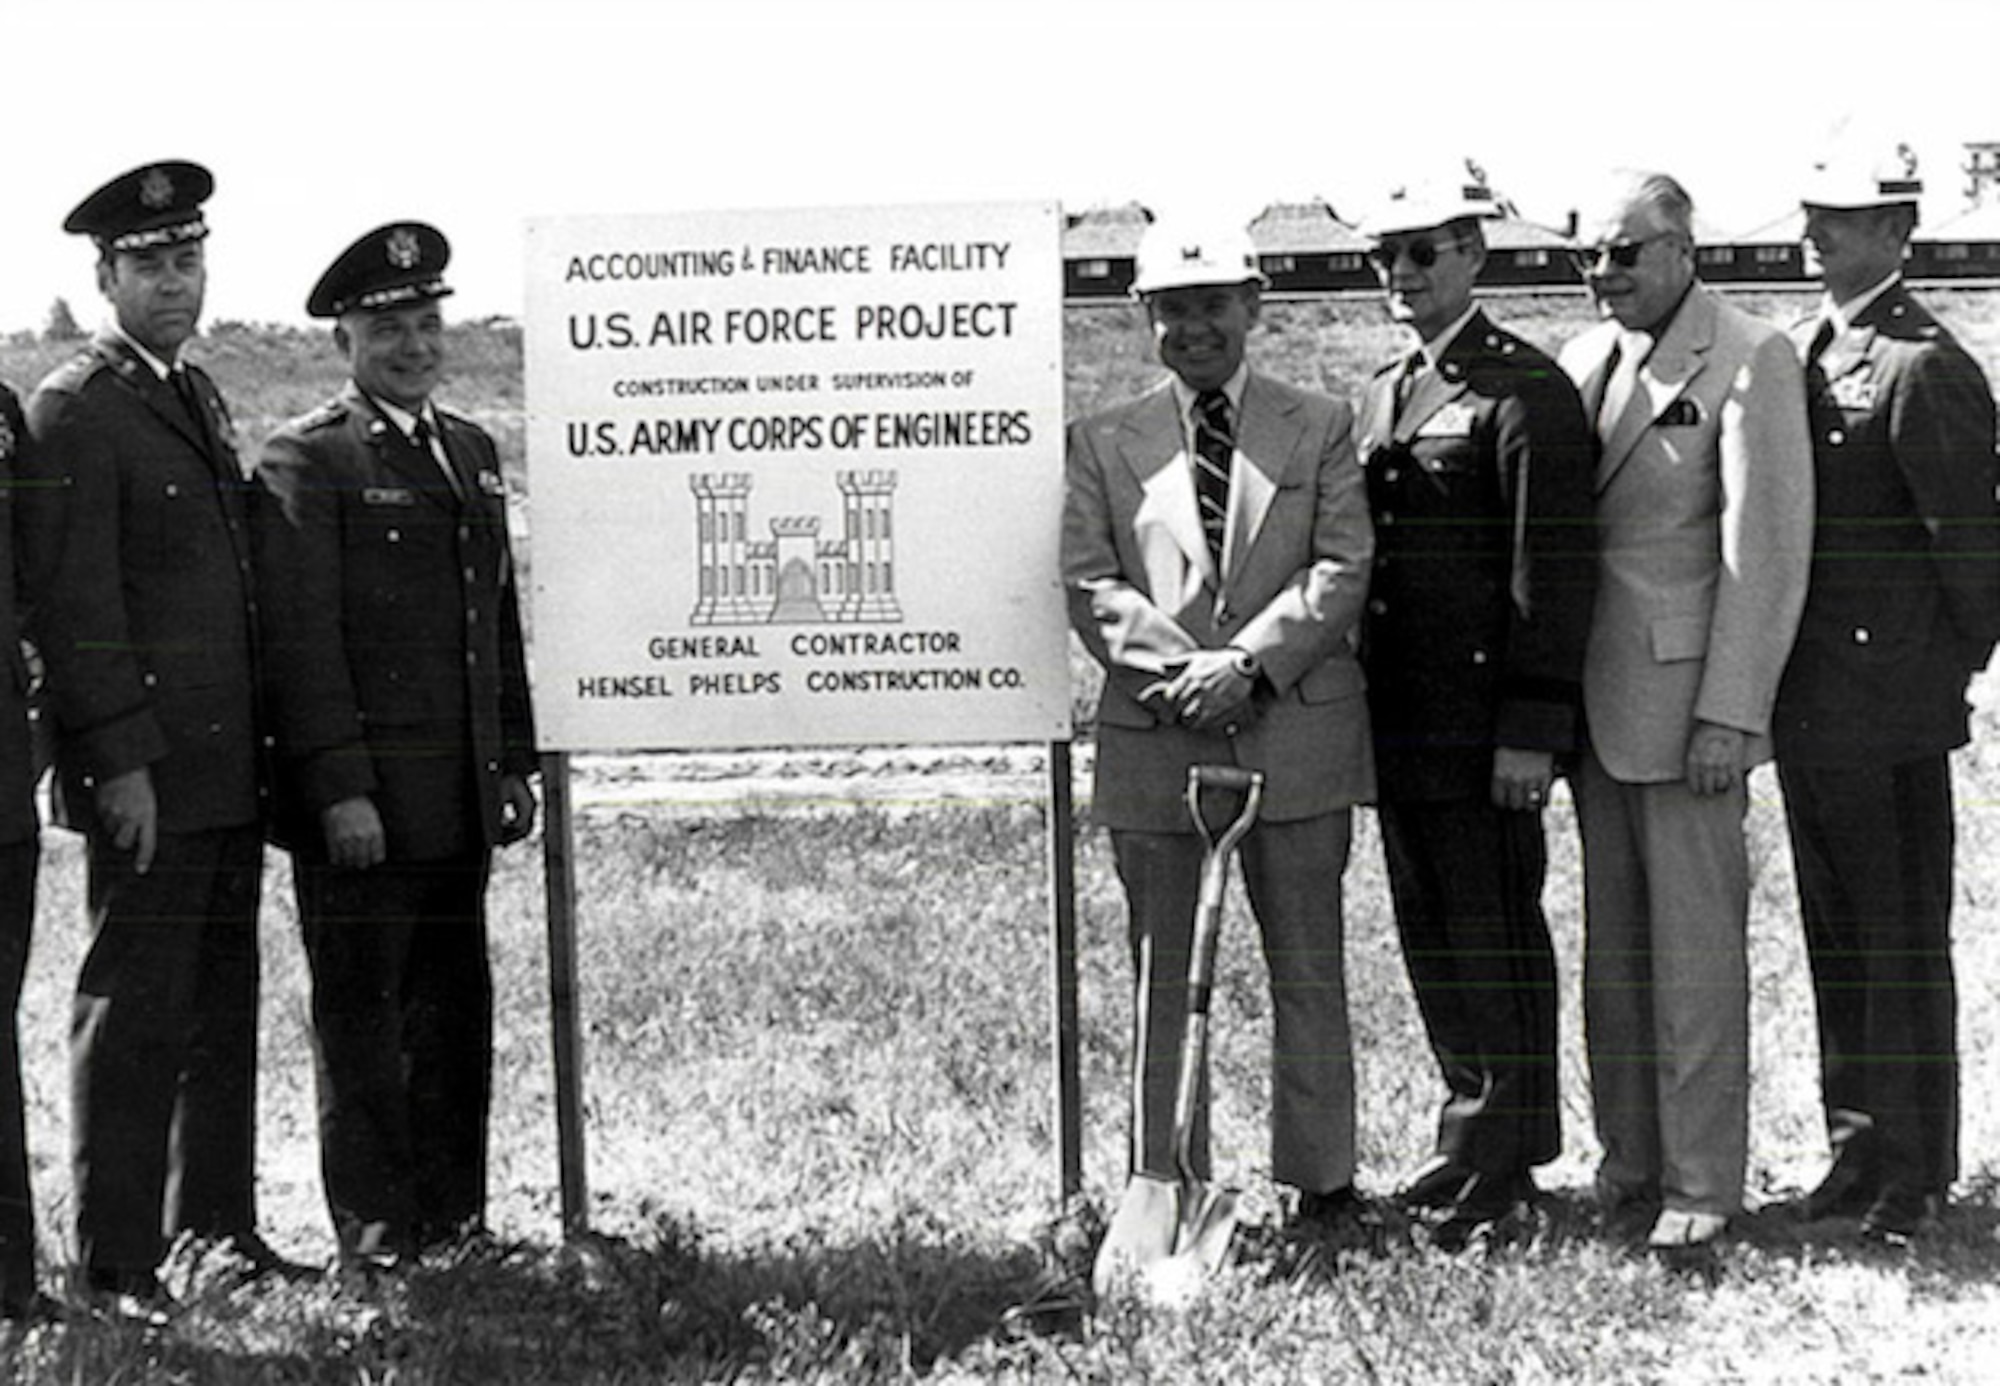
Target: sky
x=323, y=119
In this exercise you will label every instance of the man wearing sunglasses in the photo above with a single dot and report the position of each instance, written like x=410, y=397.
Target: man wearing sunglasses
x=1903, y=610
x=1478, y=459
x=1704, y=506
x=1215, y=550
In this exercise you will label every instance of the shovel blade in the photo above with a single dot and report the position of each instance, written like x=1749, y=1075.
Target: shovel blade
x=1165, y=1239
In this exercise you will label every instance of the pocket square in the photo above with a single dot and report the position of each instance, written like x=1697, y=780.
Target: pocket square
x=1682, y=413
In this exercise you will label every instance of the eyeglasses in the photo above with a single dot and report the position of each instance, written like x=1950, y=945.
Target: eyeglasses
x=1622, y=254
x=1422, y=250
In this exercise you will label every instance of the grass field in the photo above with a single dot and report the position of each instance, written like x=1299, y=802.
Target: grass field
x=821, y=1141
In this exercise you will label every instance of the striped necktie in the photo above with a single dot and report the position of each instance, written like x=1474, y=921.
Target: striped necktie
x=1214, y=447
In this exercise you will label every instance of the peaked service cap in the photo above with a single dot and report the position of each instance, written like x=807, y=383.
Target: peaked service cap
x=401, y=262
x=152, y=205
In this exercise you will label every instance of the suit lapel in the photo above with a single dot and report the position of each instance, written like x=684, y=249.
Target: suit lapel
x=1672, y=365
x=155, y=393
x=395, y=453
x=1267, y=438
x=1378, y=408
x=1167, y=524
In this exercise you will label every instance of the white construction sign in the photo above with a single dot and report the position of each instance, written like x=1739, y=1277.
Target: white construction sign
x=795, y=477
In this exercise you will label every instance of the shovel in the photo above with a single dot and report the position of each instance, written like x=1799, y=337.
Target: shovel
x=1171, y=1233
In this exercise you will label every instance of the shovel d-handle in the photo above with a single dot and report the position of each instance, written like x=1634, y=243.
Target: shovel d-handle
x=1205, y=783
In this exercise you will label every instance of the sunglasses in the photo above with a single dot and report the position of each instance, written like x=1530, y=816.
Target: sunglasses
x=1622, y=254
x=1422, y=250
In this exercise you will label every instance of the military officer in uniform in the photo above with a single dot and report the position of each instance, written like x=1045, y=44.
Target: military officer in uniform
x=1903, y=609
x=1478, y=459
x=1215, y=549
x=400, y=700
x=136, y=546
x=19, y=1299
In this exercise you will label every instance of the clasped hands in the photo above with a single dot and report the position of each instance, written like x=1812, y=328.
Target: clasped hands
x=1204, y=691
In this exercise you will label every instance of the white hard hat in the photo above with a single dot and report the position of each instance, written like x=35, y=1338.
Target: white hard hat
x=1858, y=175
x=1181, y=254
x=1436, y=202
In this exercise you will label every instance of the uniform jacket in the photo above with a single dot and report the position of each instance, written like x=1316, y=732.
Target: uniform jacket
x=1484, y=563
x=17, y=769
x=1704, y=507
x=1905, y=599
x=135, y=551
x=1143, y=592
x=393, y=629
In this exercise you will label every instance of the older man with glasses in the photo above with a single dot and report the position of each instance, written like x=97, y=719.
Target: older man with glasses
x=1478, y=458
x=1704, y=504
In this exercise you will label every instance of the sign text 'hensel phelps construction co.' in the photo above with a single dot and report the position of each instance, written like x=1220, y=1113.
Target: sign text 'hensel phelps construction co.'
x=795, y=477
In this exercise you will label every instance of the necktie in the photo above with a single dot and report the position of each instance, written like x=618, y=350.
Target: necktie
x=1214, y=446
x=421, y=436
x=1622, y=376
x=1406, y=383
x=1820, y=341
x=190, y=401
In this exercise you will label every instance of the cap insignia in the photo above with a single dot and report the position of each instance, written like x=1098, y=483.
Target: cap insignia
x=156, y=189
x=403, y=249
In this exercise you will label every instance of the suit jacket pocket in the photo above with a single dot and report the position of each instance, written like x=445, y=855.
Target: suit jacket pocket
x=1679, y=637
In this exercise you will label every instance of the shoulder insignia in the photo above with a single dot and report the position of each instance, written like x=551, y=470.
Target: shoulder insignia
x=71, y=374
x=326, y=416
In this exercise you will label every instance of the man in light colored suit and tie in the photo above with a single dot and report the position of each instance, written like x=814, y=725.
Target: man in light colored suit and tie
x=1704, y=506
x=1215, y=550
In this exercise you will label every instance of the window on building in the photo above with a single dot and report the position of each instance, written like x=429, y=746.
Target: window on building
x=1531, y=259
x=1954, y=250
x=1773, y=254
x=1093, y=269
x=1279, y=264
x=1716, y=255
x=1344, y=260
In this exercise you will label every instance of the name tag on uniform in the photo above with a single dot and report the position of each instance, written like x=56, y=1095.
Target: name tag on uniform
x=1854, y=392
x=1682, y=413
x=490, y=483
x=388, y=495
x=1452, y=421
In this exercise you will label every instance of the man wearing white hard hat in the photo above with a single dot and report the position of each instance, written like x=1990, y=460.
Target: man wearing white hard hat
x=1478, y=458
x=1903, y=609
x=1215, y=551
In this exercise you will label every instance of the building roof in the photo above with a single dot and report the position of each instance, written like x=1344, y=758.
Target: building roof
x=1105, y=232
x=1289, y=228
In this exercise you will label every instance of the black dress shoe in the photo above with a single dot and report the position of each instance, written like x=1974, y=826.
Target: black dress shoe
x=1847, y=1192
x=1483, y=1202
x=1898, y=1213
x=36, y=1308
x=1438, y=1182
x=1331, y=1213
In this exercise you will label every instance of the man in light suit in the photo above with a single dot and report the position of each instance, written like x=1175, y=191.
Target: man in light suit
x=1479, y=463
x=1223, y=611
x=1903, y=610
x=1704, y=506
